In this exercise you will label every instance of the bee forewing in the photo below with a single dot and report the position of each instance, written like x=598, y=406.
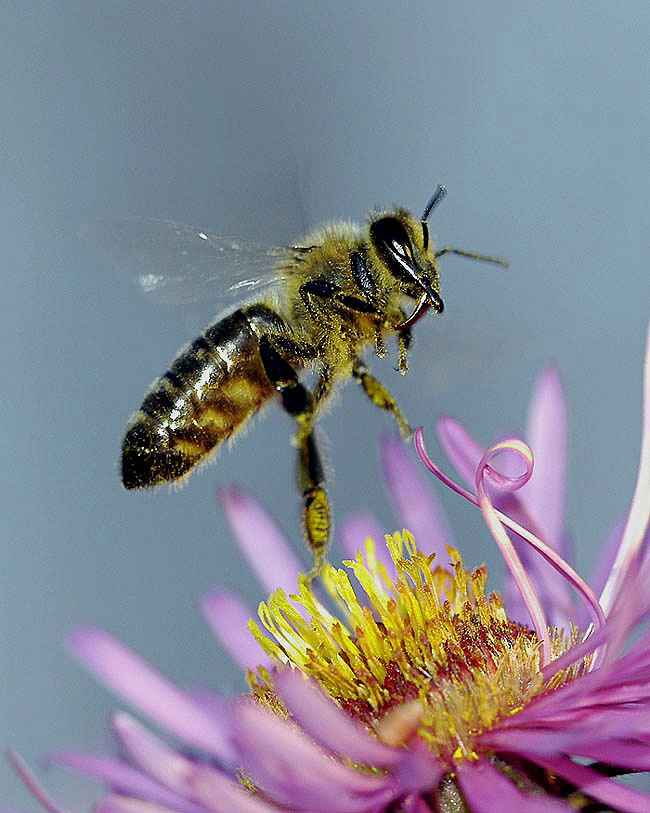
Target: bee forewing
x=177, y=264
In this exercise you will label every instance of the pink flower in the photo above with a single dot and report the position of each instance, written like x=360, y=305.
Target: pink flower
x=397, y=684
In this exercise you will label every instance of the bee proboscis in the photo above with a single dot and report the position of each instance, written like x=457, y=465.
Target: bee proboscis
x=320, y=305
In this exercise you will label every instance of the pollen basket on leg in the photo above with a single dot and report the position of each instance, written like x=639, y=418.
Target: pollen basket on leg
x=431, y=635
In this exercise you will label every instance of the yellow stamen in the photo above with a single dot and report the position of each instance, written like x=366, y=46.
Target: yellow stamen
x=426, y=652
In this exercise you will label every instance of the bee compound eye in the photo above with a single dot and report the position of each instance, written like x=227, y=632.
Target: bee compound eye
x=393, y=244
x=389, y=233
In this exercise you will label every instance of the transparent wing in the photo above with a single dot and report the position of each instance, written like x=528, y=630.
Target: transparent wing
x=177, y=264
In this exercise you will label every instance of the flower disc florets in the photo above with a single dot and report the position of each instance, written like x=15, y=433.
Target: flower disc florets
x=429, y=635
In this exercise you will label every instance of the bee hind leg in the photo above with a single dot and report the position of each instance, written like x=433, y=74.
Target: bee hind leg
x=382, y=398
x=299, y=403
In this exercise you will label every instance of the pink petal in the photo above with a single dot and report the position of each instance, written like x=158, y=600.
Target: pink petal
x=544, y=741
x=228, y=618
x=218, y=706
x=222, y=795
x=639, y=516
x=488, y=791
x=259, y=538
x=291, y=769
x=415, y=504
x=151, y=754
x=116, y=803
x=134, y=679
x=594, y=784
x=32, y=784
x=546, y=434
x=322, y=719
x=632, y=756
x=123, y=777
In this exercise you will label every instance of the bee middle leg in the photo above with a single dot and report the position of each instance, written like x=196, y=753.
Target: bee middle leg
x=300, y=404
x=374, y=389
x=381, y=397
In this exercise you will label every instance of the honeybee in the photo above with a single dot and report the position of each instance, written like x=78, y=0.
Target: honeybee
x=319, y=306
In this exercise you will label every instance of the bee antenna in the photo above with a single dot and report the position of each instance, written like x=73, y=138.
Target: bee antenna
x=437, y=196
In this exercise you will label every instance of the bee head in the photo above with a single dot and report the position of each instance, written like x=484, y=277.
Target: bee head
x=402, y=246
x=407, y=257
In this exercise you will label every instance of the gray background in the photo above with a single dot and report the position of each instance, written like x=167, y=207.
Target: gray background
x=257, y=119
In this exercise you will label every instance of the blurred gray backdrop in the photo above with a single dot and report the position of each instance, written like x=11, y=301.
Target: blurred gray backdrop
x=261, y=119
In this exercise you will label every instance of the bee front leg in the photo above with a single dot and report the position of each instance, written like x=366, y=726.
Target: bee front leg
x=404, y=342
x=298, y=402
x=381, y=397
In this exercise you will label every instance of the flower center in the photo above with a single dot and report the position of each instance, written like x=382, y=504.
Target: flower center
x=426, y=634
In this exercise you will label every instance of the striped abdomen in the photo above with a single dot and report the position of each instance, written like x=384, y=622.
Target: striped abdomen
x=211, y=389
